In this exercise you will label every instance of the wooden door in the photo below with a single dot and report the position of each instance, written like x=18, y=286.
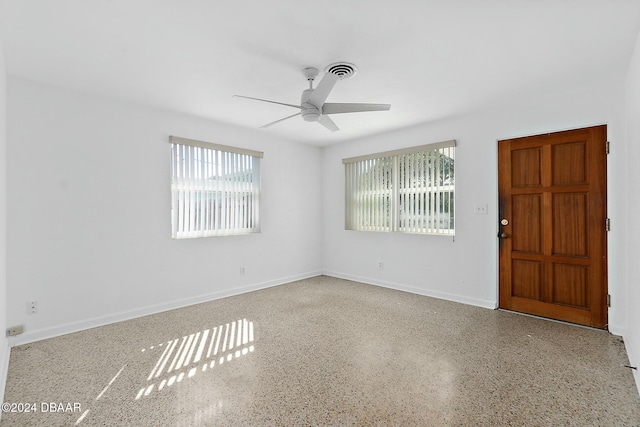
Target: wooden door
x=553, y=241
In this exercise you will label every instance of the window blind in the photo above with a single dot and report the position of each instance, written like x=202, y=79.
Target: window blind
x=369, y=193
x=410, y=190
x=215, y=189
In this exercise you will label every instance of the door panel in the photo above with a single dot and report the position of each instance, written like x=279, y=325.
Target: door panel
x=527, y=223
x=526, y=167
x=570, y=285
x=570, y=224
x=553, y=256
x=527, y=277
x=569, y=164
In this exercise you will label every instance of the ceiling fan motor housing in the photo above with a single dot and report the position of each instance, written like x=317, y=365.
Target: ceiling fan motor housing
x=305, y=96
x=310, y=112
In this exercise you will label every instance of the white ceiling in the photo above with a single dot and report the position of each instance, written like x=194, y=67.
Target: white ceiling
x=429, y=59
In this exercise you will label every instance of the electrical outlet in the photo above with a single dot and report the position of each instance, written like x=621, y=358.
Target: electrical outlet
x=380, y=265
x=32, y=307
x=15, y=330
x=242, y=271
x=480, y=209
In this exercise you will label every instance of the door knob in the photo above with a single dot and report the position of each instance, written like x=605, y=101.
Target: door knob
x=504, y=235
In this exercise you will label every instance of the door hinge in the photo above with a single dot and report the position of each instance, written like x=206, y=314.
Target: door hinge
x=608, y=149
x=607, y=224
x=608, y=300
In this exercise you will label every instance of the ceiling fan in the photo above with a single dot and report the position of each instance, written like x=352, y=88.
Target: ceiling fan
x=312, y=106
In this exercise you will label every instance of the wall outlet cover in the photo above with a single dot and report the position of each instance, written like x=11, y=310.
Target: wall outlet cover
x=15, y=330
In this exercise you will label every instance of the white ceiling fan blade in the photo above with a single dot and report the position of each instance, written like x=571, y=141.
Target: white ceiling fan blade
x=328, y=123
x=338, y=108
x=278, y=121
x=323, y=89
x=266, y=100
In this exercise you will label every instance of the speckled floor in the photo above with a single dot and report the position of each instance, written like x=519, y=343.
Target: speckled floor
x=326, y=351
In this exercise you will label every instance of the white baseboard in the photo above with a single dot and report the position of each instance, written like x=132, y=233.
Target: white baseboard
x=633, y=361
x=68, y=328
x=5, y=352
x=415, y=290
x=616, y=329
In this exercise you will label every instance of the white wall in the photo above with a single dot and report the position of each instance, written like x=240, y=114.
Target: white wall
x=89, y=222
x=4, y=343
x=632, y=336
x=88, y=209
x=463, y=270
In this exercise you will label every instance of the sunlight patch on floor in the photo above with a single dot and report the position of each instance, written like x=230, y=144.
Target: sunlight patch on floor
x=182, y=358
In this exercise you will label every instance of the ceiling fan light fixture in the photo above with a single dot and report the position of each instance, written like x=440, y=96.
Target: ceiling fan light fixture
x=310, y=115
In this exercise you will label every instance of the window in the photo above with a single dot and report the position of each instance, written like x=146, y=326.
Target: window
x=215, y=189
x=410, y=190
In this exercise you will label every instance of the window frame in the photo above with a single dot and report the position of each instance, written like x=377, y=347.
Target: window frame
x=386, y=193
x=215, y=189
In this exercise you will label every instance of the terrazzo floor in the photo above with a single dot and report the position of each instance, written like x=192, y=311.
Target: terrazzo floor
x=326, y=351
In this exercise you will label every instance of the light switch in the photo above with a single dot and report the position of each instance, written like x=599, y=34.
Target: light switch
x=480, y=208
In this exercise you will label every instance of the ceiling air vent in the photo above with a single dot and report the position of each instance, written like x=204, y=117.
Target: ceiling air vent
x=343, y=70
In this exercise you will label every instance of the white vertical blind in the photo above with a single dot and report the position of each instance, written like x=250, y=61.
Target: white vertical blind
x=368, y=195
x=215, y=189
x=410, y=190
